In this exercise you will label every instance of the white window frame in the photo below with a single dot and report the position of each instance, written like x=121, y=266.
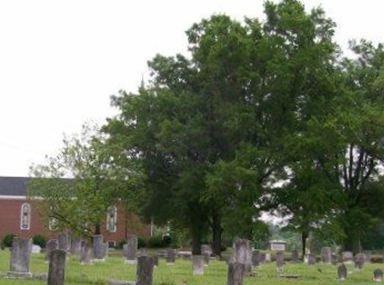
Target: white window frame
x=28, y=227
x=110, y=209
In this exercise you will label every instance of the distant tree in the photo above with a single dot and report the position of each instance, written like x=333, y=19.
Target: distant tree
x=74, y=189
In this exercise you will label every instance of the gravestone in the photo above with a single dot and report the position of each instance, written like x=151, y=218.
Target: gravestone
x=334, y=259
x=262, y=257
x=206, y=258
x=144, y=272
x=155, y=260
x=56, y=269
x=171, y=256
x=295, y=256
x=75, y=246
x=347, y=257
x=198, y=264
x=326, y=255
x=359, y=260
x=99, y=248
x=279, y=261
x=378, y=275
x=86, y=255
x=255, y=258
x=236, y=272
x=64, y=241
x=206, y=249
x=51, y=245
x=243, y=254
x=20, y=257
x=342, y=272
x=311, y=259
x=130, y=249
x=268, y=257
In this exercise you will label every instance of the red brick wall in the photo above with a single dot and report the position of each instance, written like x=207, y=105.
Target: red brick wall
x=10, y=223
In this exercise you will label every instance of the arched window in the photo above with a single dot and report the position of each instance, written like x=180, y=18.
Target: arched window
x=111, y=219
x=25, y=217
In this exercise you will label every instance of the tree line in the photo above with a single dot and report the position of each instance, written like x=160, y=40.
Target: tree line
x=258, y=116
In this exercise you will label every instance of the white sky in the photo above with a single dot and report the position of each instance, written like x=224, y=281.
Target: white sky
x=61, y=60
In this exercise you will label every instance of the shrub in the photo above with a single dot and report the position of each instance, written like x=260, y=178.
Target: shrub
x=7, y=240
x=39, y=240
x=141, y=242
x=121, y=243
x=156, y=242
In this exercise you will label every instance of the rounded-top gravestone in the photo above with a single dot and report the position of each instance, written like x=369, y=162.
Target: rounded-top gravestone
x=378, y=275
x=342, y=272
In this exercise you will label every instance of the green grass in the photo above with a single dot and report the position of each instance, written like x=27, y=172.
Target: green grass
x=181, y=273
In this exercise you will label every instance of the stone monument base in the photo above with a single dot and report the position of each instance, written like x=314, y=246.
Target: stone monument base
x=16, y=275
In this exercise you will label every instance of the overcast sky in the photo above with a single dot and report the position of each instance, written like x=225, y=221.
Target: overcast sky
x=61, y=60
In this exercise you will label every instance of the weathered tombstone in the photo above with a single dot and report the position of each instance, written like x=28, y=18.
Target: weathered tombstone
x=51, y=245
x=20, y=257
x=262, y=257
x=342, y=272
x=198, y=264
x=155, y=260
x=36, y=248
x=279, y=261
x=75, y=246
x=255, y=258
x=326, y=255
x=144, y=272
x=311, y=259
x=359, y=260
x=243, y=254
x=99, y=251
x=86, y=253
x=334, y=259
x=206, y=258
x=295, y=256
x=236, y=271
x=130, y=249
x=347, y=257
x=206, y=249
x=268, y=257
x=171, y=256
x=378, y=275
x=56, y=269
x=64, y=241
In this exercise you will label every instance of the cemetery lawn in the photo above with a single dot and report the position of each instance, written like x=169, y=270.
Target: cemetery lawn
x=181, y=273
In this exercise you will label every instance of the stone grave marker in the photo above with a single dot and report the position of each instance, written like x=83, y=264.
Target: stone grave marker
x=20, y=258
x=378, y=275
x=243, y=254
x=198, y=264
x=64, y=241
x=130, y=249
x=99, y=248
x=236, y=272
x=311, y=259
x=347, y=257
x=171, y=256
x=255, y=258
x=279, y=261
x=144, y=272
x=295, y=256
x=342, y=272
x=359, y=260
x=86, y=255
x=75, y=246
x=51, y=245
x=56, y=269
x=326, y=255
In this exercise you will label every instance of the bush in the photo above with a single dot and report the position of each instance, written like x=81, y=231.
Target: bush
x=39, y=240
x=167, y=240
x=7, y=240
x=121, y=243
x=141, y=242
x=155, y=242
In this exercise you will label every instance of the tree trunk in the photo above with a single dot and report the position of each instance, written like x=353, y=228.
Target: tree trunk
x=196, y=244
x=217, y=231
x=304, y=236
x=97, y=229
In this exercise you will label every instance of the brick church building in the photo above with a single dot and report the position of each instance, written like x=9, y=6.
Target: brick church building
x=20, y=217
